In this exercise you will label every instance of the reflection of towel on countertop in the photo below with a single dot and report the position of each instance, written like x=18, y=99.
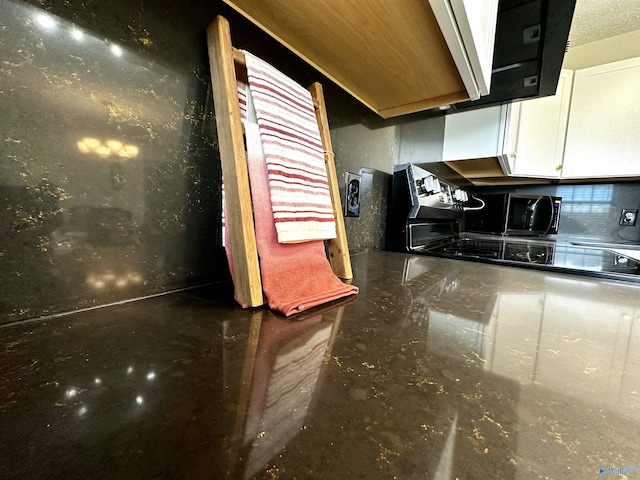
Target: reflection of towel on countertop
x=295, y=277
x=299, y=189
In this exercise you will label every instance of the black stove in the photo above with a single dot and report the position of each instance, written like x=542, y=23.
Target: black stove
x=541, y=254
x=468, y=249
x=425, y=219
x=497, y=248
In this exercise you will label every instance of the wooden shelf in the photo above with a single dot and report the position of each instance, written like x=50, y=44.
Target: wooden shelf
x=390, y=55
x=477, y=168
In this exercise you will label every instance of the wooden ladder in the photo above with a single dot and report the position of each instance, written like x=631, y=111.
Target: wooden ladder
x=227, y=64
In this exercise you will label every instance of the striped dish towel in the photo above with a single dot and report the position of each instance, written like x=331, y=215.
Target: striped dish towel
x=242, y=88
x=299, y=188
x=295, y=276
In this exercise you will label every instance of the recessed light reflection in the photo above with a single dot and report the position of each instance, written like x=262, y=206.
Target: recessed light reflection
x=82, y=410
x=108, y=148
x=128, y=151
x=116, y=50
x=151, y=375
x=103, y=151
x=46, y=21
x=139, y=400
x=77, y=34
x=100, y=281
x=72, y=392
x=97, y=381
x=129, y=370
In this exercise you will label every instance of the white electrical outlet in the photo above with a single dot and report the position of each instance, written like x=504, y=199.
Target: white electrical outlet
x=628, y=217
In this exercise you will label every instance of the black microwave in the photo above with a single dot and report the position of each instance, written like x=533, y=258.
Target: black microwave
x=515, y=214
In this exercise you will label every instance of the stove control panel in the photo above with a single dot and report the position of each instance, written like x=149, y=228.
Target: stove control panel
x=432, y=192
x=422, y=207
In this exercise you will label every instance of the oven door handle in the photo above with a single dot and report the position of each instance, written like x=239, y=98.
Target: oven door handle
x=551, y=217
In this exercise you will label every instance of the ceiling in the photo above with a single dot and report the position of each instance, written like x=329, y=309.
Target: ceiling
x=595, y=20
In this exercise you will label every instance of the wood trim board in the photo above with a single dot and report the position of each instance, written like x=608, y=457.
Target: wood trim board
x=389, y=55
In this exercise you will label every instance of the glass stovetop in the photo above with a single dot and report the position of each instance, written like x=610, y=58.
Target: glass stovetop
x=539, y=253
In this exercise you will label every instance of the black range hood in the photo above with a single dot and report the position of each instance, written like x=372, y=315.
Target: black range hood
x=531, y=40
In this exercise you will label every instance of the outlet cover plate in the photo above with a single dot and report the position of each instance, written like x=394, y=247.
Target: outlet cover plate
x=628, y=217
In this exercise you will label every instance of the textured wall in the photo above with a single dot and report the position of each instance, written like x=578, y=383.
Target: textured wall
x=368, y=153
x=421, y=140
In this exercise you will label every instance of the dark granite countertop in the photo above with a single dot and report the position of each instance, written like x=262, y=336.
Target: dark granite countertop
x=439, y=369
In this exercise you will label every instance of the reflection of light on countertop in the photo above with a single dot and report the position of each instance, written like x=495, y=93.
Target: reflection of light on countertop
x=100, y=281
x=108, y=148
x=46, y=21
x=77, y=34
x=80, y=406
x=571, y=283
x=116, y=50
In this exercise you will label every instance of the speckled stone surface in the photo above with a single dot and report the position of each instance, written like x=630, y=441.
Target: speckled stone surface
x=109, y=174
x=439, y=369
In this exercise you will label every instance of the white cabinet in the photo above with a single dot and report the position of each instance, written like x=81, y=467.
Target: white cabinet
x=527, y=137
x=476, y=134
x=589, y=129
x=602, y=136
x=539, y=129
x=469, y=28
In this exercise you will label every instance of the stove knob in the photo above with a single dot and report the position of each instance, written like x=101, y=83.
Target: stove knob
x=460, y=195
x=429, y=183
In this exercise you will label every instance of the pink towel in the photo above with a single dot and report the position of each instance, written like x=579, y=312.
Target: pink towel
x=299, y=188
x=295, y=277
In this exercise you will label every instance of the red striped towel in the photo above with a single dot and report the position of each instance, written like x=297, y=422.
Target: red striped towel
x=299, y=189
x=242, y=88
x=295, y=277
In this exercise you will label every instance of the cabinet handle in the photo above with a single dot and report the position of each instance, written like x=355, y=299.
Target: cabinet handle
x=512, y=155
x=558, y=167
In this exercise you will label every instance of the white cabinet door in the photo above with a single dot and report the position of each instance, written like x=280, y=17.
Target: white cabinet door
x=469, y=28
x=474, y=134
x=603, y=138
x=541, y=126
